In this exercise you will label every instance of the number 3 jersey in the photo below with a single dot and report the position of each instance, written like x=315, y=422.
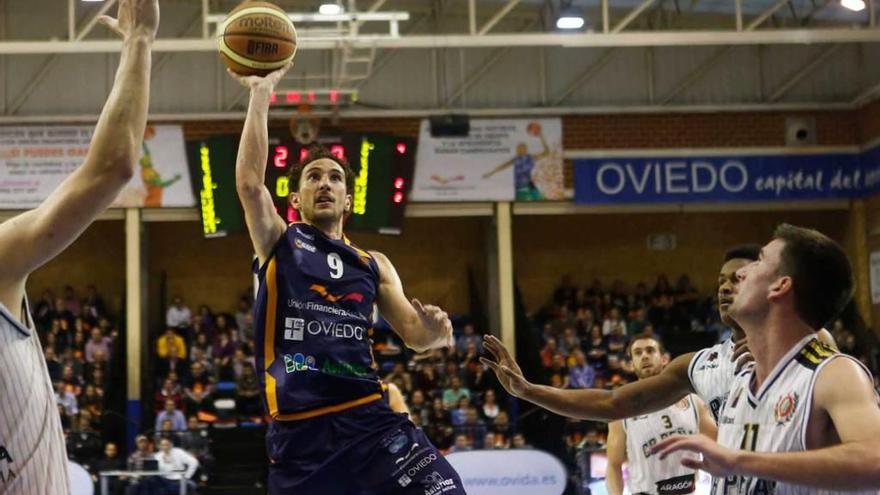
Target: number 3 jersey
x=313, y=323
x=647, y=473
x=775, y=417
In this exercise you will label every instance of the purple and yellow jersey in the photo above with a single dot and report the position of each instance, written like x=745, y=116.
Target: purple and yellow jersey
x=313, y=323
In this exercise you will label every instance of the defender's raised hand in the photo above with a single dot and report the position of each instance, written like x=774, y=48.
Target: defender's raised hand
x=134, y=18
x=509, y=373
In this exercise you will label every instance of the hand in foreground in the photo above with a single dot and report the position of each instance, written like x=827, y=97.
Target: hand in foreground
x=711, y=457
x=134, y=18
x=437, y=322
x=741, y=354
x=505, y=367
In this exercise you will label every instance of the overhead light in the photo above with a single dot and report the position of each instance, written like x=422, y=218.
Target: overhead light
x=330, y=9
x=569, y=17
x=856, y=5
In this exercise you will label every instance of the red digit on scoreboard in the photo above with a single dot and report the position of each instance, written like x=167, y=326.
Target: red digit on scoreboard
x=281, y=154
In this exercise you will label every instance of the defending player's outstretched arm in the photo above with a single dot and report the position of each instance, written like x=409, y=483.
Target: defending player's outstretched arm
x=422, y=327
x=640, y=397
x=264, y=224
x=846, y=396
x=34, y=237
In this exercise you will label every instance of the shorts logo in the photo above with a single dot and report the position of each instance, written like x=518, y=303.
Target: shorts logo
x=299, y=362
x=785, y=408
x=320, y=289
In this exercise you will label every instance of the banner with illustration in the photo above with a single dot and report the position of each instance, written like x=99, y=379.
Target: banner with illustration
x=500, y=160
x=34, y=160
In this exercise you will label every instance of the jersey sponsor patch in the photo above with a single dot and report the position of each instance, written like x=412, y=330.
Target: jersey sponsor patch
x=677, y=486
x=785, y=408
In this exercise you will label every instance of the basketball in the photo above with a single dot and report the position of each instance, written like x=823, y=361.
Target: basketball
x=256, y=38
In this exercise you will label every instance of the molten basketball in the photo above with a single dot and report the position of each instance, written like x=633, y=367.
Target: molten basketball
x=256, y=38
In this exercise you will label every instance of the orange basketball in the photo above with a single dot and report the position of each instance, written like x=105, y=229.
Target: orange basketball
x=256, y=38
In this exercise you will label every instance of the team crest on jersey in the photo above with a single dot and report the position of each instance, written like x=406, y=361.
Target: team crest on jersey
x=785, y=408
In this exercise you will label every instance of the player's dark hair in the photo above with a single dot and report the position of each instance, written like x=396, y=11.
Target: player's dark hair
x=645, y=336
x=319, y=152
x=743, y=251
x=821, y=274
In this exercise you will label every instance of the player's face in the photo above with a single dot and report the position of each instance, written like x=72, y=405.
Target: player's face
x=322, y=196
x=647, y=358
x=727, y=283
x=759, y=281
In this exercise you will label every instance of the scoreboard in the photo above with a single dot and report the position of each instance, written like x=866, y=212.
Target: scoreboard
x=383, y=166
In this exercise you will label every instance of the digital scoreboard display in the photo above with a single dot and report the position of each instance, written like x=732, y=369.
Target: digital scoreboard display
x=383, y=167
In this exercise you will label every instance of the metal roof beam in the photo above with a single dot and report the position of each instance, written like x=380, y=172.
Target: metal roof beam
x=632, y=16
x=585, y=40
x=766, y=14
x=591, y=72
x=803, y=72
x=696, y=74
x=498, y=16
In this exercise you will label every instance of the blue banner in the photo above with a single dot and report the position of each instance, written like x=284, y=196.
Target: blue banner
x=693, y=179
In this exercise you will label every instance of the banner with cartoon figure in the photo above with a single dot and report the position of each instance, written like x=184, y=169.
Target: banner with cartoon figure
x=499, y=160
x=34, y=160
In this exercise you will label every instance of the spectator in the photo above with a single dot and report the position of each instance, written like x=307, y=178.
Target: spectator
x=462, y=444
x=569, y=342
x=170, y=391
x=468, y=336
x=519, y=442
x=198, y=389
x=97, y=343
x=110, y=462
x=99, y=362
x=197, y=355
x=613, y=322
x=71, y=303
x=52, y=363
x=490, y=408
x=203, y=345
x=473, y=427
x=178, y=315
x=170, y=344
x=91, y=401
x=455, y=392
x=66, y=399
x=459, y=414
x=244, y=319
x=550, y=349
x=581, y=374
x=247, y=393
x=143, y=451
x=418, y=407
x=171, y=413
x=93, y=305
x=72, y=381
x=174, y=463
x=205, y=318
x=174, y=364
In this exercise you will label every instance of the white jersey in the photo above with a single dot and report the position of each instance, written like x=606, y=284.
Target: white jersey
x=711, y=373
x=33, y=456
x=775, y=417
x=647, y=473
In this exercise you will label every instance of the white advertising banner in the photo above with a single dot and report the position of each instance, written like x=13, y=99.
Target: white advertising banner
x=34, y=160
x=500, y=160
x=511, y=472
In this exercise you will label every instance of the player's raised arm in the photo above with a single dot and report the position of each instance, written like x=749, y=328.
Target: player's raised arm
x=33, y=238
x=640, y=397
x=421, y=327
x=264, y=224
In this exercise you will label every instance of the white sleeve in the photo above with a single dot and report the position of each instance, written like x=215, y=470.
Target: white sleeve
x=191, y=462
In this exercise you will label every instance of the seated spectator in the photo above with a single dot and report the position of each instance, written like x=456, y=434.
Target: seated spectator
x=550, y=349
x=198, y=389
x=462, y=444
x=170, y=344
x=559, y=371
x=244, y=318
x=501, y=428
x=203, y=345
x=83, y=442
x=491, y=441
x=205, y=319
x=489, y=408
x=581, y=374
x=613, y=322
x=99, y=362
x=197, y=355
x=597, y=350
x=178, y=314
x=52, y=363
x=569, y=342
x=97, y=343
x=468, y=336
x=247, y=393
x=459, y=414
x=473, y=427
x=169, y=391
x=171, y=413
x=400, y=373
x=455, y=392
x=110, y=462
x=66, y=399
x=519, y=442
x=240, y=361
x=617, y=341
x=93, y=306
x=143, y=451
x=92, y=402
x=224, y=349
x=174, y=463
x=418, y=407
x=174, y=364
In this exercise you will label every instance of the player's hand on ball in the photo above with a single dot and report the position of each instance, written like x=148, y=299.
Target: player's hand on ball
x=134, y=18
x=437, y=321
x=706, y=454
x=268, y=82
x=508, y=372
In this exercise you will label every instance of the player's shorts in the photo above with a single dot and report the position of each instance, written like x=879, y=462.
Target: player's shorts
x=367, y=450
